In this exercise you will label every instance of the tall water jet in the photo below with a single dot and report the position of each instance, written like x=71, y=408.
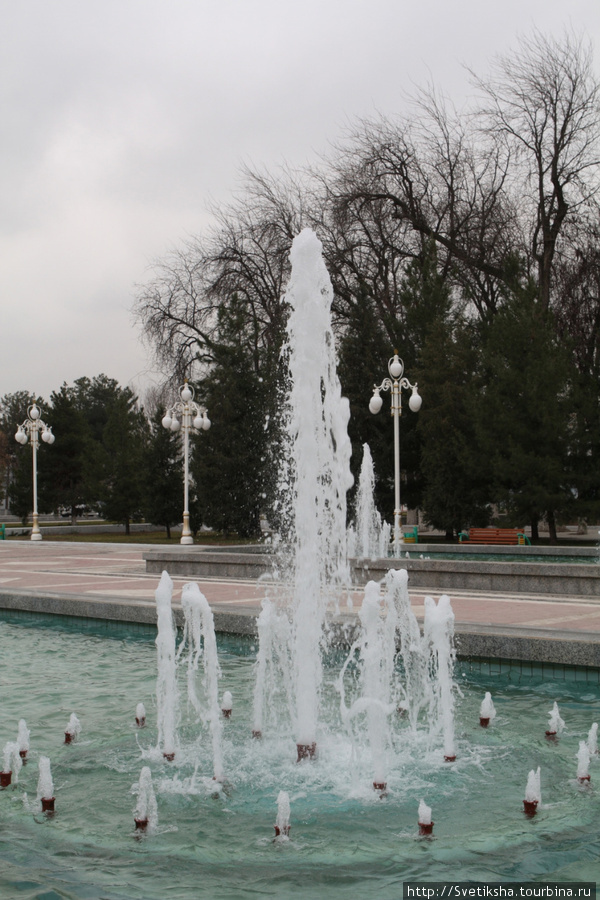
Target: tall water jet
x=377, y=652
x=318, y=476
x=592, y=739
x=167, y=698
x=417, y=692
x=200, y=641
x=272, y=663
x=369, y=536
x=439, y=633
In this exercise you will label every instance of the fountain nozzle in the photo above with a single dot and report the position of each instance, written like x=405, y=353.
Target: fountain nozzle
x=306, y=751
x=141, y=824
x=48, y=804
x=484, y=721
x=425, y=828
x=5, y=779
x=530, y=807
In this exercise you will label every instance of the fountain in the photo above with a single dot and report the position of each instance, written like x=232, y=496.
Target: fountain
x=73, y=729
x=368, y=536
x=384, y=716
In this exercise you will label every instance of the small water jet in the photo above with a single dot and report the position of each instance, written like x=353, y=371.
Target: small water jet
x=140, y=715
x=45, y=787
x=533, y=793
x=555, y=723
x=227, y=704
x=583, y=763
x=424, y=821
x=487, y=712
x=282, y=822
x=23, y=735
x=145, y=814
x=12, y=764
x=73, y=729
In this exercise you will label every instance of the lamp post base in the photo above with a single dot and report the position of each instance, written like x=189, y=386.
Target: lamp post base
x=186, y=539
x=36, y=536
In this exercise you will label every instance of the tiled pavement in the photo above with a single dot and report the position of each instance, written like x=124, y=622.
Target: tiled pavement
x=116, y=572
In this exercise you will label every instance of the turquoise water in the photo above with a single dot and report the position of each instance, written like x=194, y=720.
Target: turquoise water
x=345, y=842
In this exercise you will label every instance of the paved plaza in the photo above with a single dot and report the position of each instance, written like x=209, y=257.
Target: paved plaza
x=110, y=580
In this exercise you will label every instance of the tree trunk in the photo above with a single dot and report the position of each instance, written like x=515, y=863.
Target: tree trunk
x=168, y=527
x=552, y=527
x=535, y=533
x=127, y=529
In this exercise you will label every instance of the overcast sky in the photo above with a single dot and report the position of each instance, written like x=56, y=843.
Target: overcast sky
x=122, y=119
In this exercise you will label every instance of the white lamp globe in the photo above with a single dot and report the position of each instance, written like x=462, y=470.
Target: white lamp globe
x=205, y=422
x=34, y=412
x=396, y=366
x=175, y=424
x=198, y=423
x=186, y=393
x=375, y=403
x=415, y=400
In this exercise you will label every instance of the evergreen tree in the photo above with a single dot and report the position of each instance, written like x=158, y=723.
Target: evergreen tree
x=524, y=413
x=456, y=486
x=119, y=461
x=230, y=463
x=61, y=478
x=163, y=487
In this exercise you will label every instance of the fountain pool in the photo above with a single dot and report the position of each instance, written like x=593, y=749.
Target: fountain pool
x=345, y=842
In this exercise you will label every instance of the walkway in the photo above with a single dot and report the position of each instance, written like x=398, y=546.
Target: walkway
x=109, y=581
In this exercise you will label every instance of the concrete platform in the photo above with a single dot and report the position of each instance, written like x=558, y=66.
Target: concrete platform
x=110, y=581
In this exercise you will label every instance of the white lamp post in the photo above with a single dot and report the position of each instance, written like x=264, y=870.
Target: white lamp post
x=191, y=415
x=395, y=384
x=31, y=427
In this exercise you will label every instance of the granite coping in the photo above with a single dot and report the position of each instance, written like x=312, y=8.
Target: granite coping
x=472, y=639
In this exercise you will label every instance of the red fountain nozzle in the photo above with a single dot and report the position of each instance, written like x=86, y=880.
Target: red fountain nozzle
x=256, y=734
x=48, y=804
x=450, y=758
x=306, y=751
x=141, y=824
x=5, y=779
x=484, y=721
x=140, y=721
x=282, y=830
x=530, y=807
x=170, y=756
x=425, y=828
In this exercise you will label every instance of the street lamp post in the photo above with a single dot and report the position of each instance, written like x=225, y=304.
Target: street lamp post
x=31, y=428
x=191, y=415
x=395, y=383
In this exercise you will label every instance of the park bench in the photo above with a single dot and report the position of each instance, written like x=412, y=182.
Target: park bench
x=493, y=536
x=411, y=535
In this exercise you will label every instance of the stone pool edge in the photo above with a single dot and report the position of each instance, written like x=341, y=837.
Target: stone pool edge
x=567, y=648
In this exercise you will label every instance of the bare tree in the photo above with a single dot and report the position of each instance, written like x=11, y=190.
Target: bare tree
x=542, y=103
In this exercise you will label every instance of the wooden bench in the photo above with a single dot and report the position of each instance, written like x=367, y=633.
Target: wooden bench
x=493, y=536
x=411, y=536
